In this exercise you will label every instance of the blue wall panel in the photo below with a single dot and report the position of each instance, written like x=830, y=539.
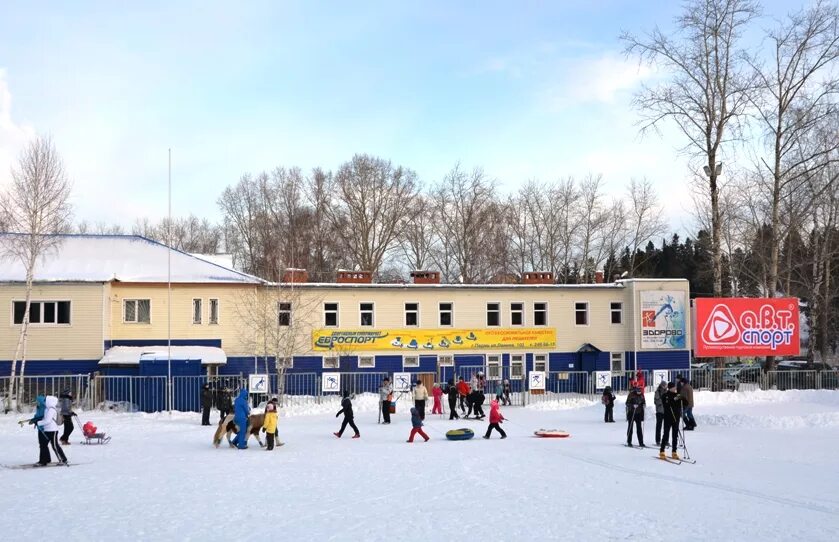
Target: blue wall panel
x=671, y=359
x=36, y=367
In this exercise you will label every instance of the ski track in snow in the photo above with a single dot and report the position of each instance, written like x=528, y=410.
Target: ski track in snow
x=765, y=470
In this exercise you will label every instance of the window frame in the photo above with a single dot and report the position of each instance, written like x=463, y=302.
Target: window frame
x=372, y=312
x=517, y=360
x=405, y=312
x=372, y=364
x=289, y=312
x=612, y=312
x=498, y=311
x=545, y=361
x=337, y=312
x=587, y=313
x=412, y=366
x=200, y=311
x=612, y=361
x=41, y=303
x=136, y=302
x=336, y=365
x=521, y=312
x=210, y=321
x=497, y=362
x=440, y=313
x=545, y=303
x=442, y=356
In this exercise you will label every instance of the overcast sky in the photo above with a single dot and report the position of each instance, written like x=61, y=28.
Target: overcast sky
x=523, y=89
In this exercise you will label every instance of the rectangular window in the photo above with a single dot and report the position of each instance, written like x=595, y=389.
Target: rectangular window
x=331, y=362
x=284, y=314
x=445, y=361
x=196, y=311
x=616, y=311
x=213, y=311
x=412, y=314
x=516, y=367
x=366, y=362
x=540, y=362
x=285, y=363
x=540, y=314
x=617, y=362
x=330, y=314
x=493, y=367
x=581, y=313
x=137, y=311
x=365, y=315
x=410, y=361
x=42, y=312
x=516, y=314
x=446, y=310
x=493, y=314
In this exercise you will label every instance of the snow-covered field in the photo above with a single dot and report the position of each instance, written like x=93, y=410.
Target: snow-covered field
x=767, y=470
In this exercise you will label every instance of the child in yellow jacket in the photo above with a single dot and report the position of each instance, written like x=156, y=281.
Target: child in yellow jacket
x=269, y=426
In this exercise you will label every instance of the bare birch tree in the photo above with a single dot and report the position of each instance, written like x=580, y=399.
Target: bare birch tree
x=644, y=217
x=416, y=239
x=707, y=90
x=36, y=207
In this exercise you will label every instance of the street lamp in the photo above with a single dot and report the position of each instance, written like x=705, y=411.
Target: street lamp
x=717, y=170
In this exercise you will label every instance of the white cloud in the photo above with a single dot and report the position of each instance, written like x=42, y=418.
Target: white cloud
x=13, y=135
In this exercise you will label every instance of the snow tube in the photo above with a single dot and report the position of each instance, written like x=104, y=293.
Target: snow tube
x=460, y=434
x=551, y=433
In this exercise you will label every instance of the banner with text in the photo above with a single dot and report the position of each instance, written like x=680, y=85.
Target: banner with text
x=434, y=340
x=741, y=326
x=662, y=320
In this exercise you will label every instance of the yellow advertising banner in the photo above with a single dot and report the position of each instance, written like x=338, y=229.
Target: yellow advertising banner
x=434, y=340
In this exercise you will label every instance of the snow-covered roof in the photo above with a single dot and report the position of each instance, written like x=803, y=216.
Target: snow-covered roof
x=224, y=260
x=376, y=285
x=131, y=355
x=125, y=258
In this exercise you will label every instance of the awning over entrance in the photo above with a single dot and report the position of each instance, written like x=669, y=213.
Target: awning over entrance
x=132, y=355
x=588, y=348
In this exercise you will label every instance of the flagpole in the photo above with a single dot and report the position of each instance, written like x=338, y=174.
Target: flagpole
x=169, y=288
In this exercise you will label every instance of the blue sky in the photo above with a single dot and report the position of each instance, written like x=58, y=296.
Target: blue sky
x=523, y=89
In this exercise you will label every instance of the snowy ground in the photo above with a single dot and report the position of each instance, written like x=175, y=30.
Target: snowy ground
x=767, y=470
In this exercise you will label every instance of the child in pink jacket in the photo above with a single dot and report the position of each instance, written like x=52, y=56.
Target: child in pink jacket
x=437, y=393
x=495, y=419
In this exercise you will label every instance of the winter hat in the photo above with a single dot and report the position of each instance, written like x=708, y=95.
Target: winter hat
x=345, y=394
x=663, y=384
x=671, y=385
x=493, y=404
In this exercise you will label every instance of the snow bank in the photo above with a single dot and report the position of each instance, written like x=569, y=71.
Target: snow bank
x=744, y=421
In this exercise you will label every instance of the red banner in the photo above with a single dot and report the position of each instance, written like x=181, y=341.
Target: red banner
x=740, y=326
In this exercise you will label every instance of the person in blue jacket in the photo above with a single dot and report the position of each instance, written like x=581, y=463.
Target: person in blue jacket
x=43, y=442
x=241, y=413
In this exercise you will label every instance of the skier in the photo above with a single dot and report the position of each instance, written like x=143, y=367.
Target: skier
x=269, y=426
x=241, y=414
x=608, y=399
x=672, y=404
x=416, y=425
x=386, y=397
x=206, y=404
x=463, y=392
x=346, y=410
x=506, y=390
x=66, y=402
x=420, y=397
x=437, y=393
x=658, y=399
x=495, y=420
x=478, y=399
x=44, y=421
x=452, y=392
x=635, y=405
x=640, y=381
x=687, y=396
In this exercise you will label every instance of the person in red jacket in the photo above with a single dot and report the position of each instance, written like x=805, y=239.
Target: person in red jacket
x=437, y=393
x=495, y=420
x=640, y=381
x=463, y=391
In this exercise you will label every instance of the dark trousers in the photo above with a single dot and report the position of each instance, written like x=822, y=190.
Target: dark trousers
x=205, y=416
x=223, y=414
x=638, y=429
x=386, y=411
x=420, y=408
x=506, y=397
x=417, y=431
x=269, y=440
x=670, y=427
x=609, y=416
x=47, y=440
x=479, y=411
x=659, y=420
x=453, y=408
x=690, y=422
x=68, y=428
x=351, y=423
x=462, y=403
x=496, y=427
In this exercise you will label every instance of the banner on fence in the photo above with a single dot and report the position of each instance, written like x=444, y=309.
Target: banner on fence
x=660, y=376
x=603, y=379
x=431, y=340
x=747, y=327
x=401, y=381
x=330, y=382
x=258, y=383
x=662, y=319
x=536, y=380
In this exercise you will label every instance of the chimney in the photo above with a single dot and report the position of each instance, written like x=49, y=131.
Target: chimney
x=425, y=277
x=296, y=276
x=598, y=277
x=537, y=277
x=355, y=277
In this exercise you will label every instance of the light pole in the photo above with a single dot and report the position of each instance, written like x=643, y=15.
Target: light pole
x=169, y=290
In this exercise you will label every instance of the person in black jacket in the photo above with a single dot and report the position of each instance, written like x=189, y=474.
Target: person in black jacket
x=635, y=405
x=478, y=399
x=451, y=391
x=223, y=404
x=346, y=410
x=608, y=399
x=206, y=404
x=672, y=404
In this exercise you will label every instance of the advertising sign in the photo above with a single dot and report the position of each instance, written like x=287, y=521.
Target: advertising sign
x=603, y=379
x=258, y=383
x=742, y=326
x=662, y=320
x=536, y=380
x=434, y=340
x=330, y=382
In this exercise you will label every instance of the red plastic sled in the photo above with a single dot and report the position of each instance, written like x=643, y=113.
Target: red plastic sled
x=551, y=433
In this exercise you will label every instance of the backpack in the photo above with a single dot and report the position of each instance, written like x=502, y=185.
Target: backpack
x=59, y=417
x=604, y=399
